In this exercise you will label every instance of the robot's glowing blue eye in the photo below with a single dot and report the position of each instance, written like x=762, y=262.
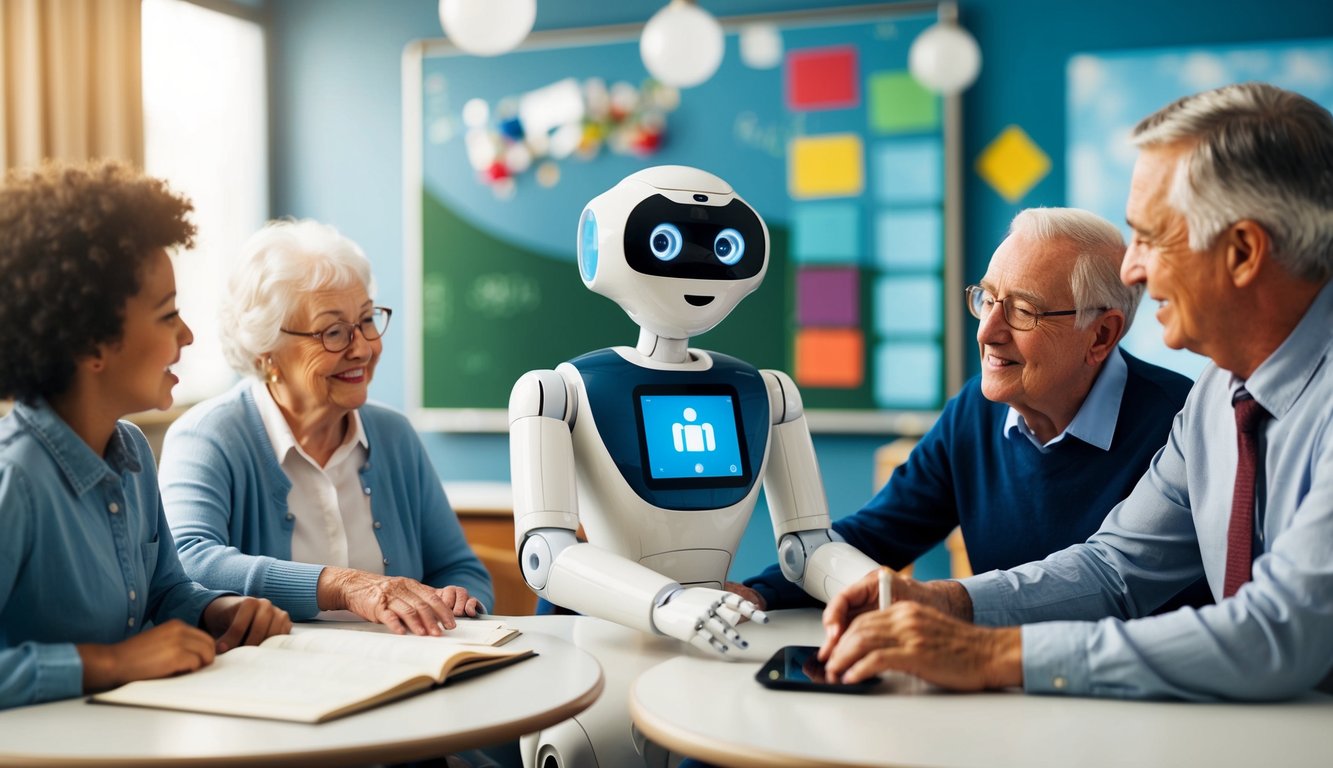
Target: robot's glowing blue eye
x=588, y=245
x=665, y=242
x=729, y=246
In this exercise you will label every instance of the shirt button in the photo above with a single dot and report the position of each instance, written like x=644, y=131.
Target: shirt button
x=367, y=490
x=133, y=595
x=386, y=561
x=1059, y=683
x=378, y=525
x=131, y=622
x=291, y=516
x=113, y=507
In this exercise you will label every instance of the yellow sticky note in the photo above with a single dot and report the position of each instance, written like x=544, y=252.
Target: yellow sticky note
x=832, y=165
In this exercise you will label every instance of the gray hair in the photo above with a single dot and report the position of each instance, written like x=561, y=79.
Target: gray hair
x=1095, y=279
x=1260, y=153
x=279, y=264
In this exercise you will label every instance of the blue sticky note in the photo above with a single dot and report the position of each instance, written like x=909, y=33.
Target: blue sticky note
x=909, y=171
x=908, y=306
x=826, y=233
x=908, y=374
x=909, y=239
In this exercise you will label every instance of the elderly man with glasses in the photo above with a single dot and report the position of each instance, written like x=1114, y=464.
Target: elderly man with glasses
x=1030, y=456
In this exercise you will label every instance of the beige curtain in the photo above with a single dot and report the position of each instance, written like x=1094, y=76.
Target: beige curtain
x=72, y=81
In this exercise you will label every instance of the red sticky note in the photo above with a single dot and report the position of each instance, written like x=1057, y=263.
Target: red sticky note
x=822, y=78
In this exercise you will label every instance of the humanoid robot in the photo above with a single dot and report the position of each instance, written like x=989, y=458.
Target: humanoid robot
x=658, y=449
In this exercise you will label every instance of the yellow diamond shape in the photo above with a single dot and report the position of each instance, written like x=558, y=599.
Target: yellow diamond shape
x=1012, y=164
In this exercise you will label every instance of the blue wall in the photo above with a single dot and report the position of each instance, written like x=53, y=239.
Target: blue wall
x=337, y=154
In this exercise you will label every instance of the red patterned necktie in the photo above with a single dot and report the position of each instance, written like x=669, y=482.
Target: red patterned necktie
x=1240, y=533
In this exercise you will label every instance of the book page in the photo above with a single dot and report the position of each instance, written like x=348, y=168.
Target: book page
x=276, y=684
x=470, y=631
x=432, y=656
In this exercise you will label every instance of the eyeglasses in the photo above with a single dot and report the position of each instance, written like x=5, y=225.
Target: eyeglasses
x=338, y=336
x=1020, y=315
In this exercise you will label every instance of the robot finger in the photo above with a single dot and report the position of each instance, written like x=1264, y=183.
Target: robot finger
x=745, y=608
x=704, y=636
x=724, y=631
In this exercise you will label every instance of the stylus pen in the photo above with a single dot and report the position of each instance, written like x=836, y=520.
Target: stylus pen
x=885, y=587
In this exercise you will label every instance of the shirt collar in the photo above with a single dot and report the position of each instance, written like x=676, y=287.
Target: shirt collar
x=1279, y=381
x=1095, y=421
x=280, y=432
x=81, y=468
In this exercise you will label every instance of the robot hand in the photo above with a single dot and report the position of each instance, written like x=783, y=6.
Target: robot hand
x=705, y=618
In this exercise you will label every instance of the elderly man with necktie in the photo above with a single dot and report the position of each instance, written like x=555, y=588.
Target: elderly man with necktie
x=1231, y=207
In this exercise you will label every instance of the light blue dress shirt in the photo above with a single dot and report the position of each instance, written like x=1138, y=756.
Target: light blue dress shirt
x=1274, y=638
x=1095, y=421
x=85, y=552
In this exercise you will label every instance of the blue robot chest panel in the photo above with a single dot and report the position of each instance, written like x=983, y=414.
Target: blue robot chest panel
x=686, y=440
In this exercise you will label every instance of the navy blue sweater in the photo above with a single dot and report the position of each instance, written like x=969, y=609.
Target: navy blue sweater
x=1014, y=503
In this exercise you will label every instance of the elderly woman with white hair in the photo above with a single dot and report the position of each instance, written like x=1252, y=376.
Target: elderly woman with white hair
x=291, y=486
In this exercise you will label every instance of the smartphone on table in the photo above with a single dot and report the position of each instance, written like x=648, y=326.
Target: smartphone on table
x=797, y=668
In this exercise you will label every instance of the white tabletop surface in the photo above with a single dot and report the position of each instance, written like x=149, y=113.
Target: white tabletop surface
x=718, y=712
x=488, y=709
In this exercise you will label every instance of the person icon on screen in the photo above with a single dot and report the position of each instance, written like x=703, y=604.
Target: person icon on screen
x=692, y=437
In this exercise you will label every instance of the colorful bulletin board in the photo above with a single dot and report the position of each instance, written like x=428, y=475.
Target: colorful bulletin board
x=850, y=162
x=1110, y=92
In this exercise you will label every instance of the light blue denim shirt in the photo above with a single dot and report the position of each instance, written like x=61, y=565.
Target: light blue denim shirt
x=1272, y=639
x=85, y=552
x=1095, y=421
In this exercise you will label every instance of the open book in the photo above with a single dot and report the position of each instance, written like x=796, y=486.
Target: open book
x=315, y=675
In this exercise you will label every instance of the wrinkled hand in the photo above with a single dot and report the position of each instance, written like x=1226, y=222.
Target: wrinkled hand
x=746, y=594
x=237, y=621
x=164, y=650
x=402, y=604
x=923, y=641
x=705, y=618
x=946, y=596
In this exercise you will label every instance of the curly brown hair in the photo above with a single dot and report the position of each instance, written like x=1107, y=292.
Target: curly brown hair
x=73, y=242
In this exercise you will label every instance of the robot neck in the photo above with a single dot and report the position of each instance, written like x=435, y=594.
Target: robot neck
x=662, y=349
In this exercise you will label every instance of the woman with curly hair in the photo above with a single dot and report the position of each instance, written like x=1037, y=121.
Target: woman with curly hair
x=88, y=332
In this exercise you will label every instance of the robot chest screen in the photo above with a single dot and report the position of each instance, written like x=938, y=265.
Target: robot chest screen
x=684, y=440
x=691, y=436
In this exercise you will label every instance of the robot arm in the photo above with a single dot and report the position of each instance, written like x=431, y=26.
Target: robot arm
x=582, y=576
x=810, y=553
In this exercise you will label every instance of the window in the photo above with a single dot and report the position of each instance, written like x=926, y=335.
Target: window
x=206, y=132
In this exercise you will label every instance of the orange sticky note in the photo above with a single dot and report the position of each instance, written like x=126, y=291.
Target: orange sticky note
x=830, y=357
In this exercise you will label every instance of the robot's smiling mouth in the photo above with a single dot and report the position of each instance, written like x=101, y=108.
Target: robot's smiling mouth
x=699, y=301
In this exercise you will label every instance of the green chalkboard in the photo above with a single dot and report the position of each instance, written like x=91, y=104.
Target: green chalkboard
x=858, y=303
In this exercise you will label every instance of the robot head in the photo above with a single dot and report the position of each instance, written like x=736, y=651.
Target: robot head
x=675, y=247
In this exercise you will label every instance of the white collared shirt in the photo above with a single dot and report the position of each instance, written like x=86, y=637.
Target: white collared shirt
x=1095, y=421
x=334, y=525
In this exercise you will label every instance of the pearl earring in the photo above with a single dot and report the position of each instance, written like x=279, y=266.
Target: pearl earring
x=272, y=372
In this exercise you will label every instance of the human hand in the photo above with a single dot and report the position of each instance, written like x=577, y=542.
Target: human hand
x=746, y=594
x=949, y=597
x=401, y=604
x=705, y=618
x=236, y=621
x=460, y=602
x=923, y=641
x=164, y=650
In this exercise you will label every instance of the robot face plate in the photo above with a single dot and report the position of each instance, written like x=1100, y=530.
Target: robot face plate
x=675, y=247
x=699, y=242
